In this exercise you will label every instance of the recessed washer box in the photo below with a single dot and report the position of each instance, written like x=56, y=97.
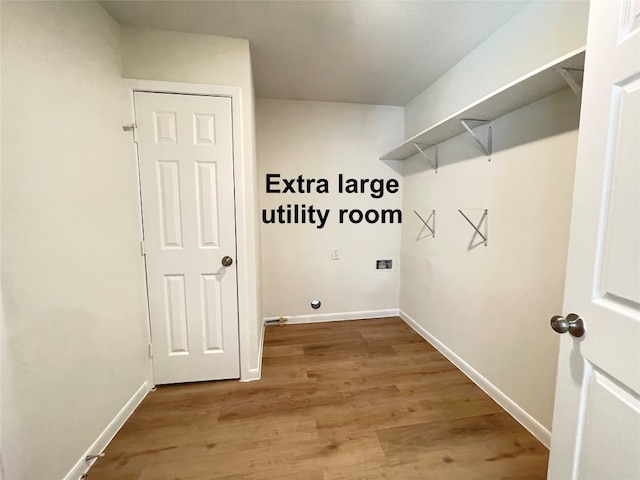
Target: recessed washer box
x=384, y=264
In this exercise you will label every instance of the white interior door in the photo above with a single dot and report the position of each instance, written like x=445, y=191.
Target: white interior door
x=596, y=426
x=185, y=150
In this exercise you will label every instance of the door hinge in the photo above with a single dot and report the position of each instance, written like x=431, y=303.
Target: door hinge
x=150, y=351
x=143, y=252
x=132, y=127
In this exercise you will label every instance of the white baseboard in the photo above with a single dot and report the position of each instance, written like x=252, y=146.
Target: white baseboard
x=108, y=433
x=256, y=373
x=334, y=317
x=512, y=408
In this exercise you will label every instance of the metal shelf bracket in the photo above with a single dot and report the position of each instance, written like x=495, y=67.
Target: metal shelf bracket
x=488, y=148
x=565, y=73
x=484, y=236
x=422, y=148
x=432, y=218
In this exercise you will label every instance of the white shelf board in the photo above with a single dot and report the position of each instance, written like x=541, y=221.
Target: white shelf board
x=525, y=90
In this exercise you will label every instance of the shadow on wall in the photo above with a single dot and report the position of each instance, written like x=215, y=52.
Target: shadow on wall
x=395, y=165
x=467, y=149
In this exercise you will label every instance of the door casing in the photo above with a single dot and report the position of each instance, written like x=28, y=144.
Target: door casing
x=239, y=167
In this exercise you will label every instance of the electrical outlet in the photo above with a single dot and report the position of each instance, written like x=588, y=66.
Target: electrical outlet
x=335, y=254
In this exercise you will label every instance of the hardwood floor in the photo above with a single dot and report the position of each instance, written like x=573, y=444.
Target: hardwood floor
x=365, y=399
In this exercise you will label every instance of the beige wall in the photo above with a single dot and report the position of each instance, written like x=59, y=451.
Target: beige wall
x=322, y=140
x=206, y=59
x=74, y=347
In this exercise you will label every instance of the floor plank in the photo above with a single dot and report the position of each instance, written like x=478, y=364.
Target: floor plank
x=363, y=399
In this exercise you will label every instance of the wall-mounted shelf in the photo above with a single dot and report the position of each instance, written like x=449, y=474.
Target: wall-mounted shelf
x=537, y=84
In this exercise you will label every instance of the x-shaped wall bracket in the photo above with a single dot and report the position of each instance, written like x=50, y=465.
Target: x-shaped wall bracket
x=432, y=218
x=484, y=236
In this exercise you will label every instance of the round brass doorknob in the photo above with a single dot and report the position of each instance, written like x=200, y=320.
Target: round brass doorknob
x=572, y=324
x=227, y=261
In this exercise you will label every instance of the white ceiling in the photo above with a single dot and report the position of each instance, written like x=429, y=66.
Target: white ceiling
x=376, y=52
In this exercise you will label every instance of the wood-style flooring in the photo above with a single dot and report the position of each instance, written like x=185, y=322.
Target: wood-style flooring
x=365, y=399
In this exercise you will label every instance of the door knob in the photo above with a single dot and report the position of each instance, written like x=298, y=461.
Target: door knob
x=572, y=324
x=227, y=261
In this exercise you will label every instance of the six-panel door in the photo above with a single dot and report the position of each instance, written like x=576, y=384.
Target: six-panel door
x=185, y=150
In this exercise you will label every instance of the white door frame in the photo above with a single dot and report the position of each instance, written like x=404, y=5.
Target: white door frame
x=234, y=93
